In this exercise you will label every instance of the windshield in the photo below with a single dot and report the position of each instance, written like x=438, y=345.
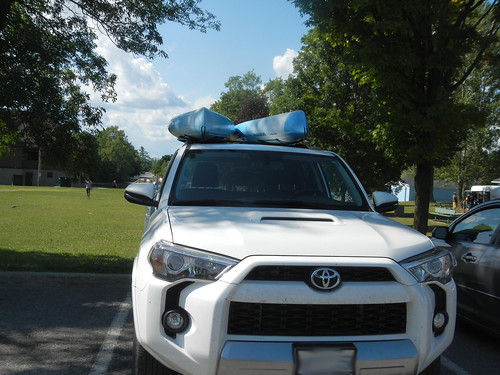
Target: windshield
x=256, y=178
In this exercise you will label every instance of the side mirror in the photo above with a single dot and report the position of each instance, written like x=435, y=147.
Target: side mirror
x=141, y=193
x=441, y=233
x=384, y=202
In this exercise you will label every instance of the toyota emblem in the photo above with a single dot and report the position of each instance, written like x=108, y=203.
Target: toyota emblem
x=325, y=279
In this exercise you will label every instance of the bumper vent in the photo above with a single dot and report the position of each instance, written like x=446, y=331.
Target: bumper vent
x=303, y=273
x=316, y=320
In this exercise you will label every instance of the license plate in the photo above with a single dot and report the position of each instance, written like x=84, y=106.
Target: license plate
x=324, y=360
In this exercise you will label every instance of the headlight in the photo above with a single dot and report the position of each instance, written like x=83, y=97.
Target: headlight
x=436, y=265
x=173, y=262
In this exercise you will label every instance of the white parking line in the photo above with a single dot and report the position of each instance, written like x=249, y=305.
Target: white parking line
x=105, y=354
x=453, y=367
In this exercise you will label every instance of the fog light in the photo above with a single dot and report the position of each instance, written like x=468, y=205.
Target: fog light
x=175, y=320
x=439, y=322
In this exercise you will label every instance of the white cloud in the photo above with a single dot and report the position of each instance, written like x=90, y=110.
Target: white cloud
x=145, y=102
x=283, y=65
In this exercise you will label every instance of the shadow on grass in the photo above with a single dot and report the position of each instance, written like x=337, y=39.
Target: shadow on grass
x=34, y=261
x=407, y=219
x=392, y=214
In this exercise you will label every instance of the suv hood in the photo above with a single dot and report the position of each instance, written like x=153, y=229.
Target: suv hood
x=241, y=232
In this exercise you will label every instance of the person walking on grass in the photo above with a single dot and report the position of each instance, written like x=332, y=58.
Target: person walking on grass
x=88, y=187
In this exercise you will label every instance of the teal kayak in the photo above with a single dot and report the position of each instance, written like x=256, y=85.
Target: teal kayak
x=201, y=125
x=285, y=128
x=204, y=125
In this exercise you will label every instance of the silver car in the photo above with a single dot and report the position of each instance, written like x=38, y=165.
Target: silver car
x=474, y=238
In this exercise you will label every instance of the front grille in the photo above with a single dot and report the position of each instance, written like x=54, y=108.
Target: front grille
x=316, y=320
x=303, y=273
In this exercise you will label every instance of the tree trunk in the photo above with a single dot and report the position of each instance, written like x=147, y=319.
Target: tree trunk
x=39, y=174
x=423, y=191
x=460, y=191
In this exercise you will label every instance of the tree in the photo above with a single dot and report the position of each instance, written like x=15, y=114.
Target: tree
x=159, y=166
x=145, y=159
x=252, y=108
x=338, y=108
x=40, y=101
x=468, y=166
x=83, y=159
x=48, y=50
x=474, y=163
x=280, y=96
x=119, y=160
x=104, y=157
x=243, y=100
x=493, y=161
x=414, y=56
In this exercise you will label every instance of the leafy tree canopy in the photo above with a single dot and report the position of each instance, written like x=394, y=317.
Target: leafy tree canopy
x=105, y=157
x=252, y=108
x=159, y=166
x=243, y=99
x=83, y=161
x=475, y=163
x=338, y=108
x=48, y=50
x=414, y=55
x=118, y=158
x=145, y=160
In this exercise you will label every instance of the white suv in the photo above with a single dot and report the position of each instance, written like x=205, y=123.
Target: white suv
x=265, y=259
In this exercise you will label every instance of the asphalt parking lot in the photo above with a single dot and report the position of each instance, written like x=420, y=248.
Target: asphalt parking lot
x=65, y=324
x=53, y=324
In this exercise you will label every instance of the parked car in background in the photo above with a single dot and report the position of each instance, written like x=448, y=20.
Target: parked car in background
x=474, y=238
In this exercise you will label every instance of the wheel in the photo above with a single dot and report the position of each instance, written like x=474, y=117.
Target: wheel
x=434, y=368
x=145, y=364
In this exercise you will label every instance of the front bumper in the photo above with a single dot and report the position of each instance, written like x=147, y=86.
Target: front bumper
x=397, y=357
x=208, y=347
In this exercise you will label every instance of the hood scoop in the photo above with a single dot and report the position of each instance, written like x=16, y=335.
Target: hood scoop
x=297, y=218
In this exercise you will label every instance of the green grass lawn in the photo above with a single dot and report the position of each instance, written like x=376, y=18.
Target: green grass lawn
x=60, y=230
x=55, y=229
x=407, y=217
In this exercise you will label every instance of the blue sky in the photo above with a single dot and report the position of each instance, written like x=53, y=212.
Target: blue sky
x=259, y=35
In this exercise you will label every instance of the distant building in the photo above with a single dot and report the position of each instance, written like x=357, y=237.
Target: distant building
x=405, y=190
x=20, y=167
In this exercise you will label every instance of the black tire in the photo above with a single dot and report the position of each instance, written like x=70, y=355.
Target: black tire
x=434, y=368
x=145, y=364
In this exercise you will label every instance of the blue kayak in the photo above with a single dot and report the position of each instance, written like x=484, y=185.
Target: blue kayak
x=285, y=128
x=201, y=125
